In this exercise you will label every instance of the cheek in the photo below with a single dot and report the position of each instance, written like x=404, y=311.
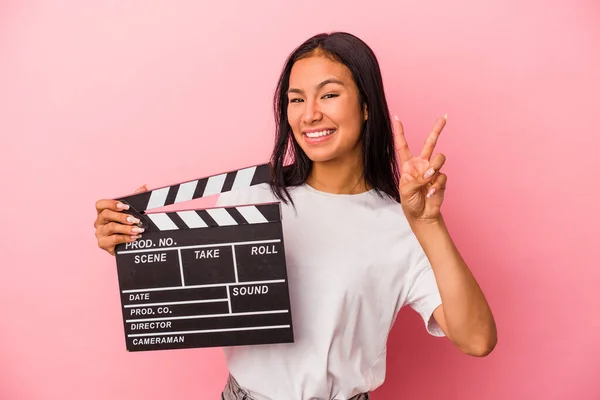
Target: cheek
x=293, y=118
x=343, y=110
x=291, y=115
x=351, y=119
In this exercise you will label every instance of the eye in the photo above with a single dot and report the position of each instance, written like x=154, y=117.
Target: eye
x=330, y=95
x=295, y=100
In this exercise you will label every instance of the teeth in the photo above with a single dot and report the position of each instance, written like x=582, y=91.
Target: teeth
x=320, y=133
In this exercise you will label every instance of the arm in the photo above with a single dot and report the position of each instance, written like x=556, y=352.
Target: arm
x=464, y=316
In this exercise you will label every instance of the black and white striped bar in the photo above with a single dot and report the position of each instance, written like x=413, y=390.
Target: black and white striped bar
x=203, y=187
x=206, y=278
x=224, y=216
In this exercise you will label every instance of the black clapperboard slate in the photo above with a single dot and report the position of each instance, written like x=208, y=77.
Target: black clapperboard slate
x=205, y=278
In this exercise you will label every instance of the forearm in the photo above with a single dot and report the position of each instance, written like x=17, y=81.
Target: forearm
x=468, y=318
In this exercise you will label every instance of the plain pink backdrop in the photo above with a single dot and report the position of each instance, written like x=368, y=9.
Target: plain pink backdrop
x=99, y=97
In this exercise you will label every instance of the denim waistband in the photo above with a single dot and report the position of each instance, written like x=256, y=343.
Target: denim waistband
x=233, y=391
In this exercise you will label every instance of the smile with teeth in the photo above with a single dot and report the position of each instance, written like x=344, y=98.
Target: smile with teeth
x=320, y=133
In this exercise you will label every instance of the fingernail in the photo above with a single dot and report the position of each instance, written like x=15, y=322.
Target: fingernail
x=445, y=116
x=134, y=237
x=133, y=220
x=137, y=230
x=122, y=206
x=396, y=117
x=431, y=192
x=429, y=173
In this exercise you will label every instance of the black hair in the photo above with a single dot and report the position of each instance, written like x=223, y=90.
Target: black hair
x=380, y=166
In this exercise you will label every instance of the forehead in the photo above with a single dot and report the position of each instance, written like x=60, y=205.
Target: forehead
x=309, y=72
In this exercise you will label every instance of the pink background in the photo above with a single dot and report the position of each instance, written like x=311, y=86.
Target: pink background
x=100, y=97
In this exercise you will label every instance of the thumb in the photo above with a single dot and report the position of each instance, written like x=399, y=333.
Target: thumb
x=417, y=184
x=141, y=189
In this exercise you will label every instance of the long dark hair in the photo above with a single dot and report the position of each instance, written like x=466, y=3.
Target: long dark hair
x=379, y=163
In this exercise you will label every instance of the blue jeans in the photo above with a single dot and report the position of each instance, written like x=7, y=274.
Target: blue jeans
x=233, y=391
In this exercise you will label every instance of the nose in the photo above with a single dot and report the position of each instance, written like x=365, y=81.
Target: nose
x=312, y=112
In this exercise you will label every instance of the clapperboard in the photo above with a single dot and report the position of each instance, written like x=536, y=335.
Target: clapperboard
x=205, y=278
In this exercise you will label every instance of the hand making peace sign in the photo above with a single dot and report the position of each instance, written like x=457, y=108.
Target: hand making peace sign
x=421, y=184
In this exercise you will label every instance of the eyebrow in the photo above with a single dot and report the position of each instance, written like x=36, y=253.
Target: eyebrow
x=319, y=86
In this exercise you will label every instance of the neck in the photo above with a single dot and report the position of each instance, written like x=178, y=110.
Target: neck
x=338, y=176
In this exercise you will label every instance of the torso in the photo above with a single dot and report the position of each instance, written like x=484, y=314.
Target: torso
x=351, y=260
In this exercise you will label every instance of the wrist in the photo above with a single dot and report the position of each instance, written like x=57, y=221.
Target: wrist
x=427, y=224
x=434, y=238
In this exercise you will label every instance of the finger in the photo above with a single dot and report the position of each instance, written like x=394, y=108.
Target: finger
x=113, y=228
x=436, y=164
x=432, y=138
x=108, y=204
x=107, y=216
x=108, y=243
x=400, y=141
x=438, y=186
x=141, y=189
x=430, y=174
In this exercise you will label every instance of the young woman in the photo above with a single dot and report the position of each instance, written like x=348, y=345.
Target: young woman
x=363, y=238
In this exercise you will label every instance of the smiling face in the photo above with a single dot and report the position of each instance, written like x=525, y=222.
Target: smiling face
x=324, y=111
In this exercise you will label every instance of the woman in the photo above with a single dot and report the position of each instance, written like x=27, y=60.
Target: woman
x=363, y=239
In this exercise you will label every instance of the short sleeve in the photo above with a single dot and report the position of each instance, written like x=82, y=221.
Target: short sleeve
x=424, y=297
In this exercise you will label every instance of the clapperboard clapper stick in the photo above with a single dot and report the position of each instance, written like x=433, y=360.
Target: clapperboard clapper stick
x=205, y=278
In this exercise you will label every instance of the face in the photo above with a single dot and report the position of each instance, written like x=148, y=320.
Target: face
x=324, y=110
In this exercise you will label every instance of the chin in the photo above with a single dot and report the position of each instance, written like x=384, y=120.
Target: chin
x=330, y=153
x=317, y=153
x=320, y=159
x=320, y=155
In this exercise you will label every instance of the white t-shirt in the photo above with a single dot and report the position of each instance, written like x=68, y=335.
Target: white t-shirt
x=352, y=262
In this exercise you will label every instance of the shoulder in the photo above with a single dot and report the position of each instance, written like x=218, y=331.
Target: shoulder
x=389, y=221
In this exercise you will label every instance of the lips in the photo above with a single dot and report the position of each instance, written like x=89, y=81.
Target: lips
x=315, y=137
x=318, y=134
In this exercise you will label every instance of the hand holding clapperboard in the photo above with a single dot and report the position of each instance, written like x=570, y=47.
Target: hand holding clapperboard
x=204, y=278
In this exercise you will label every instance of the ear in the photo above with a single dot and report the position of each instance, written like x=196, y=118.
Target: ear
x=365, y=113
